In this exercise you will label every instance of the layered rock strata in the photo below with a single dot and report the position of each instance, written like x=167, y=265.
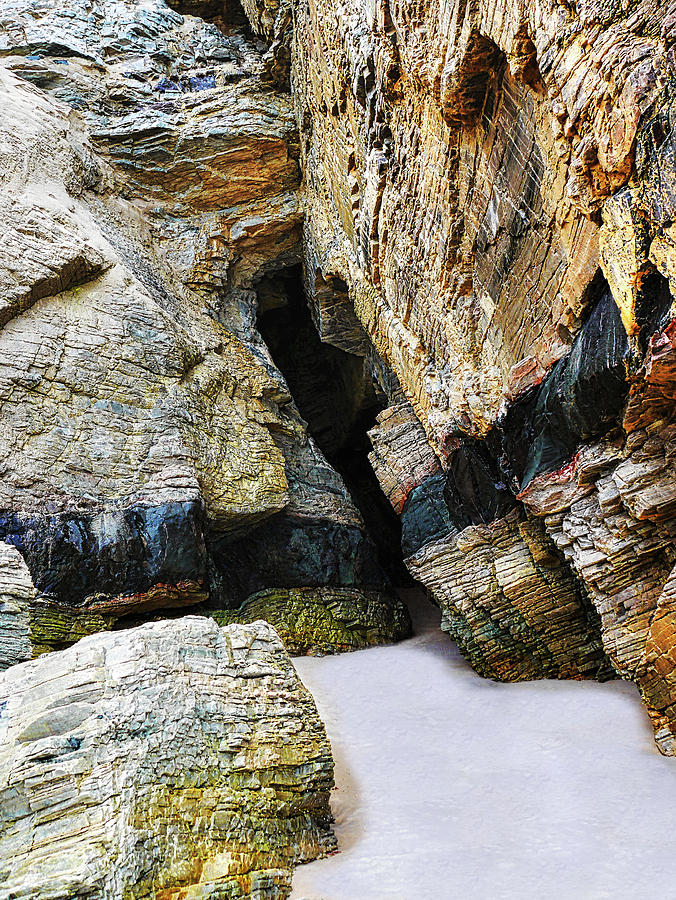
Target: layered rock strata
x=493, y=188
x=482, y=198
x=464, y=168
x=151, y=451
x=328, y=621
x=173, y=759
x=511, y=603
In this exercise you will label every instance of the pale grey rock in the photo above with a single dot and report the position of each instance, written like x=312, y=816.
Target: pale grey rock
x=174, y=756
x=16, y=593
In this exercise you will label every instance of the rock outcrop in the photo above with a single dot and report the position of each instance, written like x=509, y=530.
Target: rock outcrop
x=463, y=165
x=492, y=188
x=152, y=456
x=325, y=621
x=482, y=199
x=175, y=759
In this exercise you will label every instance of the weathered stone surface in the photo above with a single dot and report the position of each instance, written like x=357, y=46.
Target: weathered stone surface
x=325, y=620
x=482, y=197
x=455, y=159
x=493, y=188
x=174, y=759
x=401, y=458
x=150, y=192
x=510, y=602
x=100, y=376
x=614, y=523
x=16, y=593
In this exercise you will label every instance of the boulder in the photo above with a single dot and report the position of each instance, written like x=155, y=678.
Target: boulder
x=173, y=759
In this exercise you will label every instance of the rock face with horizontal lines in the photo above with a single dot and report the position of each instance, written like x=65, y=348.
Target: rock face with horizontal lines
x=291, y=292
x=238, y=238
x=152, y=456
x=173, y=759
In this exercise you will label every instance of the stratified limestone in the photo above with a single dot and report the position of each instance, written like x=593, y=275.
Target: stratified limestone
x=16, y=596
x=149, y=186
x=325, y=620
x=494, y=186
x=610, y=513
x=401, y=458
x=484, y=193
x=175, y=759
x=126, y=419
x=456, y=159
x=203, y=150
x=510, y=602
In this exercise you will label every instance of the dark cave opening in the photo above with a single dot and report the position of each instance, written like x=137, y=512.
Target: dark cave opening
x=653, y=306
x=337, y=393
x=228, y=16
x=581, y=398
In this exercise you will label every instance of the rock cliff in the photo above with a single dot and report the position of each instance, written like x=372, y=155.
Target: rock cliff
x=238, y=238
x=152, y=455
x=489, y=188
x=291, y=294
x=177, y=759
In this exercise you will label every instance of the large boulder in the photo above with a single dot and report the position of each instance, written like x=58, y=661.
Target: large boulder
x=173, y=759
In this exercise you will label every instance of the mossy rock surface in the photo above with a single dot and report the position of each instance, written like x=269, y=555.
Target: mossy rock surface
x=53, y=627
x=324, y=620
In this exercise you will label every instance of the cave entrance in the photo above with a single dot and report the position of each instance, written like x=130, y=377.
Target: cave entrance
x=339, y=394
x=228, y=16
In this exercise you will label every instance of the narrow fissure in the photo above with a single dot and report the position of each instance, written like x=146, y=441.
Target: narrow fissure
x=339, y=397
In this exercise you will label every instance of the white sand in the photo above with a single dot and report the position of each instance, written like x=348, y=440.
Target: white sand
x=450, y=786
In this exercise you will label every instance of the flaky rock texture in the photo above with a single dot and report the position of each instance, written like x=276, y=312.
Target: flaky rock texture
x=482, y=198
x=510, y=602
x=457, y=157
x=150, y=450
x=335, y=619
x=493, y=186
x=177, y=759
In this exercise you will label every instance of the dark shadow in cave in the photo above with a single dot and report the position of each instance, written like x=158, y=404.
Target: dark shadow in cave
x=336, y=393
x=228, y=16
x=653, y=306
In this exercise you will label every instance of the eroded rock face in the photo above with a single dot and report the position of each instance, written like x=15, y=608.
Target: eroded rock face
x=456, y=158
x=16, y=595
x=511, y=603
x=150, y=448
x=482, y=199
x=325, y=621
x=493, y=187
x=173, y=759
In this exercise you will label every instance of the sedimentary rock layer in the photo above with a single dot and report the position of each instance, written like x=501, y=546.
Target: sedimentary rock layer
x=173, y=759
x=150, y=197
x=316, y=621
x=462, y=164
x=493, y=188
x=510, y=602
x=482, y=198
